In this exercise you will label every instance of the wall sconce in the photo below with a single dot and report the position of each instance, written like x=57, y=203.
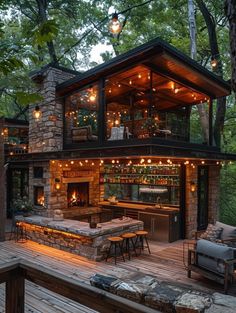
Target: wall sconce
x=193, y=186
x=37, y=113
x=57, y=184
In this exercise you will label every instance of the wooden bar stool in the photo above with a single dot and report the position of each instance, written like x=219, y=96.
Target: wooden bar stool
x=141, y=236
x=129, y=238
x=115, y=242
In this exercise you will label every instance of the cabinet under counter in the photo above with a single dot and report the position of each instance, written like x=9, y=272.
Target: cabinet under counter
x=162, y=223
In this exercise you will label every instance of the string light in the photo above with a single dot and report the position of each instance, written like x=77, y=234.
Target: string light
x=115, y=26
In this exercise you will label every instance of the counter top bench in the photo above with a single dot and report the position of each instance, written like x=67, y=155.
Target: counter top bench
x=75, y=236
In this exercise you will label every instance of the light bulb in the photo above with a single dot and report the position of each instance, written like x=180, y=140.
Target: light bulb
x=37, y=113
x=115, y=26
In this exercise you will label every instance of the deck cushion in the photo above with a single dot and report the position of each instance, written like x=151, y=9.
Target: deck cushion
x=212, y=233
x=212, y=250
x=228, y=230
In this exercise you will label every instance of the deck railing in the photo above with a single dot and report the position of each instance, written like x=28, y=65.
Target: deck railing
x=16, y=272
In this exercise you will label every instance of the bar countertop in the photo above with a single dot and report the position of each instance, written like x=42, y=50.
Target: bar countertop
x=139, y=207
x=81, y=228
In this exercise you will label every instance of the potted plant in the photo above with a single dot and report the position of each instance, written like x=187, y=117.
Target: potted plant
x=22, y=206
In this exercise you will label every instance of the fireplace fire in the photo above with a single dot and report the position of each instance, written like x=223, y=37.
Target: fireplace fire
x=39, y=196
x=78, y=194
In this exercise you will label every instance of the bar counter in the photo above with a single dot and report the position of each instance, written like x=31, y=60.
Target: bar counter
x=75, y=236
x=139, y=207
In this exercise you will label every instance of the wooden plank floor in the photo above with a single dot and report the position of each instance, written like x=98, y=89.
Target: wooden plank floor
x=165, y=262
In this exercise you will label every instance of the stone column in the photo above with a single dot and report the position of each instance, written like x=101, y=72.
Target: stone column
x=46, y=134
x=214, y=191
x=191, y=202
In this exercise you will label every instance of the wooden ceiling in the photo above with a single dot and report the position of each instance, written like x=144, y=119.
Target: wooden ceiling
x=138, y=86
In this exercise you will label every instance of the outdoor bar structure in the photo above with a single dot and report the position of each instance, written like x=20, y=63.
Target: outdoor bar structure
x=119, y=141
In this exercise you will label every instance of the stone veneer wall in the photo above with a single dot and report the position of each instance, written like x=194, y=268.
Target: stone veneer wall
x=214, y=193
x=47, y=133
x=192, y=201
x=41, y=182
x=57, y=199
x=93, y=247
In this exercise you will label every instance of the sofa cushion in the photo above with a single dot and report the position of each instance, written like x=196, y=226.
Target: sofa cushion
x=228, y=230
x=209, y=250
x=212, y=233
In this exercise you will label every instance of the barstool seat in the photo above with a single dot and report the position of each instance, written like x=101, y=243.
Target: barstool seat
x=141, y=236
x=115, y=239
x=141, y=232
x=115, y=242
x=128, y=237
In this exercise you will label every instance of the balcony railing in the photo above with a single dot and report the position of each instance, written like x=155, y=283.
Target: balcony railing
x=16, y=272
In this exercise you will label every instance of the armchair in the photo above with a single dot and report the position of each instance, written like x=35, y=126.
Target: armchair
x=227, y=233
x=213, y=261
x=83, y=133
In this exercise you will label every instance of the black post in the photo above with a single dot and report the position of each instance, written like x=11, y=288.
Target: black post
x=102, y=118
x=2, y=183
x=210, y=113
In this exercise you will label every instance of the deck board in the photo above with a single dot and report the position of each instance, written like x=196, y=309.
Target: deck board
x=165, y=262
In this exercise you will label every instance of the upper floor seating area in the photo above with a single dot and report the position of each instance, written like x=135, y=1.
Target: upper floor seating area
x=137, y=103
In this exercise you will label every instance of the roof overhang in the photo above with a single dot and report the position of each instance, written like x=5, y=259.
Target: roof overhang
x=162, y=57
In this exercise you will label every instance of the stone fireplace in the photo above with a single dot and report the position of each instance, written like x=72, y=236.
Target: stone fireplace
x=39, y=196
x=78, y=194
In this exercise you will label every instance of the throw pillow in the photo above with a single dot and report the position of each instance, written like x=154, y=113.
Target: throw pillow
x=212, y=233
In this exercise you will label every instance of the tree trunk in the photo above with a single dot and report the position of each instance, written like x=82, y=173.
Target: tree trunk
x=221, y=103
x=203, y=114
x=42, y=11
x=230, y=11
x=192, y=29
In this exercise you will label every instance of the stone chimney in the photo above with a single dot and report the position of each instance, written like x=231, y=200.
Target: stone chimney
x=46, y=134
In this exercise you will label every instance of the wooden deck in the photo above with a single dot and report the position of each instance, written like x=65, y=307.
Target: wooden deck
x=165, y=262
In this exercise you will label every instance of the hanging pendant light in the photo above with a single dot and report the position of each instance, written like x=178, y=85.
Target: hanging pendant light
x=115, y=26
x=37, y=113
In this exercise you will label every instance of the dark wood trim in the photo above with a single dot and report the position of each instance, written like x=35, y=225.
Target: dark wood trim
x=140, y=54
x=2, y=184
x=210, y=116
x=182, y=205
x=15, y=292
x=178, y=79
x=103, y=301
x=147, y=148
x=101, y=112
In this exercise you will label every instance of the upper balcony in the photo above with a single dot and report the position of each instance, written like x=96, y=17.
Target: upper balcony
x=139, y=103
x=151, y=92
x=15, y=134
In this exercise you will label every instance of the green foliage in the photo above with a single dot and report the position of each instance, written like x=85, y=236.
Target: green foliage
x=228, y=195
x=25, y=98
x=44, y=32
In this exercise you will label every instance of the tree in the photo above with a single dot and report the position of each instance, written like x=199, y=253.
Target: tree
x=230, y=10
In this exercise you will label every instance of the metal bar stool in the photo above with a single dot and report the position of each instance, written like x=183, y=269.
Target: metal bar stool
x=115, y=242
x=129, y=238
x=20, y=233
x=141, y=237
